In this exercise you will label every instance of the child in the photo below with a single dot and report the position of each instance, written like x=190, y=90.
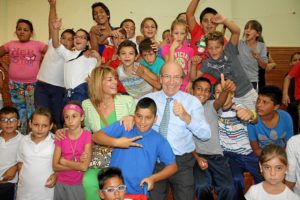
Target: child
x=165, y=37
x=273, y=164
x=25, y=58
x=292, y=106
x=129, y=26
x=77, y=67
x=235, y=142
x=36, y=179
x=10, y=139
x=136, y=151
x=72, y=155
x=149, y=57
x=212, y=169
x=225, y=60
x=100, y=32
x=252, y=53
x=179, y=51
x=110, y=181
x=50, y=88
x=274, y=125
x=198, y=31
x=136, y=79
x=294, y=73
x=292, y=178
x=149, y=30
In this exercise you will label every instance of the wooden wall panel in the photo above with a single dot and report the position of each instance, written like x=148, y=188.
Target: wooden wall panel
x=281, y=56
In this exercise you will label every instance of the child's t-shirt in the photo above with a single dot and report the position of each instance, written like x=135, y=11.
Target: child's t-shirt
x=8, y=154
x=25, y=59
x=135, y=86
x=156, y=66
x=257, y=192
x=233, y=133
x=71, y=150
x=295, y=72
x=183, y=57
x=36, y=168
x=278, y=135
x=76, y=70
x=248, y=62
x=52, y=67
x=138, y=163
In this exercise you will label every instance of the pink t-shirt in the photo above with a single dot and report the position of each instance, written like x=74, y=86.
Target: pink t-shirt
x=183, y=57
x=25, y=60
x=295, y=72
x=69, y=146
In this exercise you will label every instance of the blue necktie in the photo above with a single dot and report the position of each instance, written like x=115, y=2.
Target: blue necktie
x=163, y=127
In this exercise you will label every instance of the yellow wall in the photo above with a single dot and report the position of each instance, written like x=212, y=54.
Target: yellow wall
x=280, y=18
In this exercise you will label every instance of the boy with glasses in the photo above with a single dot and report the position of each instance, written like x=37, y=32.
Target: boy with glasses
x=10, y=138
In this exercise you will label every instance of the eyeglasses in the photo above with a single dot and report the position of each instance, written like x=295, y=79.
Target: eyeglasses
x=10, y=120
x=277, y=168
x=119, y=188
x=167, y=77
x=80, y=37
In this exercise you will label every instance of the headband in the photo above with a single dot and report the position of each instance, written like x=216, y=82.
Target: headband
x=73, y=107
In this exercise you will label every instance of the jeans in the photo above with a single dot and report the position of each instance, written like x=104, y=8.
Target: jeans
x=240, y=163
x=50, y=96
x=217, y=176
x=80, y=93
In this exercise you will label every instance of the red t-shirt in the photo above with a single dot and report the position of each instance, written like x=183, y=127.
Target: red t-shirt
x=295, y=73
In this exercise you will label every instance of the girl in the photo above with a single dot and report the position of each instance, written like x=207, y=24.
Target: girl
x=36, y=179
x=77, y=66
x=136, y=79
x=149, y=30
x=252, y=53
x=179, y=51
x=72, y=155
x=25, y=58
x=273, y=165
x=50, y=88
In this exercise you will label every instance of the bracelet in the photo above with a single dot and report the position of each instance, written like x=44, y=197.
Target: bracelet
x=253, y=117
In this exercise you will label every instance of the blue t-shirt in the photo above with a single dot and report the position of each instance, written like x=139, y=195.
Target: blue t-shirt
x=278, y=135
x=156, y=66
x=138, y=163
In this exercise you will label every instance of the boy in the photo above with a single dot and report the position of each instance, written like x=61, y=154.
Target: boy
x=198, y=31
x=274, y=126
x=289, y=97
x=212, y=168
x=149, y=57
x=111, y=180
x=225, y=60
x=10, y=139
x=136, y=152
x=35, y=152
x=235, y=142
x=136, y=79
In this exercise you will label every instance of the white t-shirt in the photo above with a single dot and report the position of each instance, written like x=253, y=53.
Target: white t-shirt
x=77, y=70
x=293, y=155
x=8, y=154
x=257, y=192
x=52, y=67
x=36, y=168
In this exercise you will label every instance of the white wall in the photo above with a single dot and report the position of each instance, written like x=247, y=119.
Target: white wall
x=281, y=26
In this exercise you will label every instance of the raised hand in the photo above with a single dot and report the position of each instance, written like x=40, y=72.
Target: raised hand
x=218, y=19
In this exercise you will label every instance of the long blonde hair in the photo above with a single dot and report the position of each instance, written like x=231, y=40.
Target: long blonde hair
x=95, y=83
